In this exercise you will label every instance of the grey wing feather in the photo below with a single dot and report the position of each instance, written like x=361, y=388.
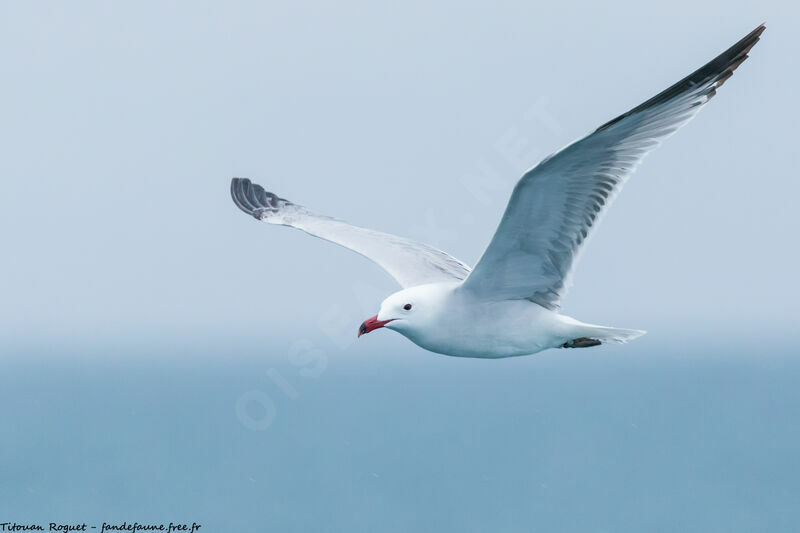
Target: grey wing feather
x=409, y=262
x=556, y=204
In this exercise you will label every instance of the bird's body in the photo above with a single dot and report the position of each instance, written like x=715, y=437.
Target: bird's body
x=495, y=329
x=508, y=304
x=452, y=321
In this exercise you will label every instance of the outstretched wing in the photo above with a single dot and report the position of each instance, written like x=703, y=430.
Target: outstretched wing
x=555, y=205
x=410, y=263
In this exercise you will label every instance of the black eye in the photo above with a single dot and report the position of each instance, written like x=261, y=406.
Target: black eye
x=407, y=307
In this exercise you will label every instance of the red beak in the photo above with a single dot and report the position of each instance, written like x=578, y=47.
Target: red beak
x=372, y=324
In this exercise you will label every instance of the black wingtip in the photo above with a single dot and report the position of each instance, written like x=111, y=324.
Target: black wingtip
x=239, y=193
x=715, y=73
x=253, y=199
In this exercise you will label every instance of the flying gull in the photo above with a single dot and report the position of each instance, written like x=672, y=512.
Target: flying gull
x=508, y=304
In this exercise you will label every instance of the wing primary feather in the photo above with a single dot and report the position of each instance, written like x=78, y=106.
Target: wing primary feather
x=253, y=199
x=716, y=71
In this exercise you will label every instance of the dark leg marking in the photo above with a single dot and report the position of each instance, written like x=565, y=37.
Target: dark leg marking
x=581, y=342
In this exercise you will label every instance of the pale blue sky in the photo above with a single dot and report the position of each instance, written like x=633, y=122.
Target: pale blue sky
x=124, y=123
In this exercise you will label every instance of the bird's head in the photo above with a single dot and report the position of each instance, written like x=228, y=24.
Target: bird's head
x=410, y=310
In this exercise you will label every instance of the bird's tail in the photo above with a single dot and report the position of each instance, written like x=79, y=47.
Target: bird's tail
x=618, y=335
x=590, y=335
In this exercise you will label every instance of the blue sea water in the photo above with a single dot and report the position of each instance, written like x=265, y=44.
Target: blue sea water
x=633, y=438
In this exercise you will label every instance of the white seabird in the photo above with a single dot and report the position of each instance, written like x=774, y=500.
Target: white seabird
x=508, y=304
